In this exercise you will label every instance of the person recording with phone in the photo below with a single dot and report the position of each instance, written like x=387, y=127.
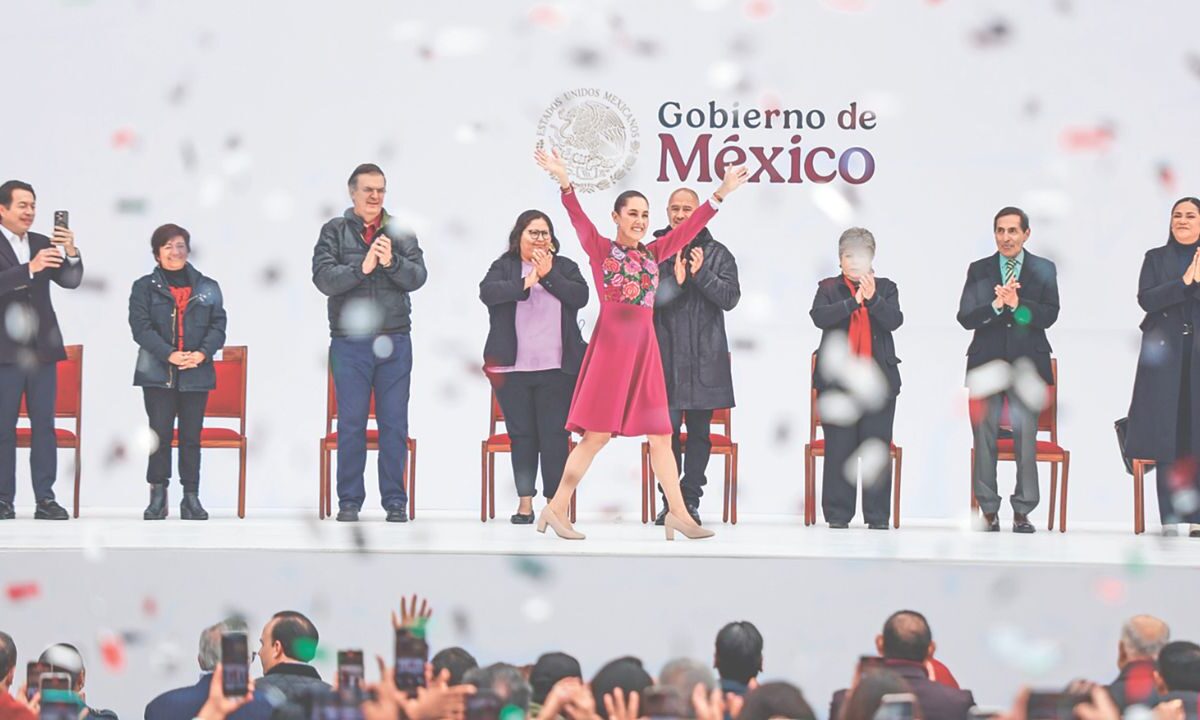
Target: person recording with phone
x=65, y=658
x=367, y=267
x=31, y=344
x=186, y=702
x=18, y=707
x=857, y=313
x=533, y=351
x=178, y=318
x=287, y=646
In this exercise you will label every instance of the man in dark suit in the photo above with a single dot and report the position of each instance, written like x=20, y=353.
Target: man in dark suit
x=1009, y=300
x=1142, y=637
x=906, y=644
x=185, y=702
x=1178, y=676
x=30, y=344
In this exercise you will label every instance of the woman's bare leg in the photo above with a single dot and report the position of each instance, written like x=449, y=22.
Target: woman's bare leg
x=662, y=459
x=578, y=463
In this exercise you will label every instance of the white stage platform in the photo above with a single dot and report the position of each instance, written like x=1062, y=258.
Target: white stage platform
x=1005, y=609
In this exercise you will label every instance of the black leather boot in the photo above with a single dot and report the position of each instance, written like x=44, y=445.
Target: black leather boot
x=190, y=508
x=157, y=509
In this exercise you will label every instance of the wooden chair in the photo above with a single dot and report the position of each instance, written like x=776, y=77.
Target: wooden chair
x=1048, y=451
x=68, y=403
x=722, y=444
x=228, y=400
x=500, y=443
x=1140, y=466
x=815, y=448
x=329, y=444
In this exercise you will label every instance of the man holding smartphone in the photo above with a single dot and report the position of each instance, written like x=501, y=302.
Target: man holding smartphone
x=31, y=344
x=367, y=268
x=14, y=708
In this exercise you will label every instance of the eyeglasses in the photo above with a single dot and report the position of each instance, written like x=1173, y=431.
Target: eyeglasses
x=538, y=234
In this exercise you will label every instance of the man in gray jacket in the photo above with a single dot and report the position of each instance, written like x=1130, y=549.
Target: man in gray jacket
x=367, y=267
x=697, y=286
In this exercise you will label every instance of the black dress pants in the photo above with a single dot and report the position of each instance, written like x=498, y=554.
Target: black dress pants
x=163, y=405
x=838, y=491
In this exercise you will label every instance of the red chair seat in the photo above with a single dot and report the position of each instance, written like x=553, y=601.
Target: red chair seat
x=499, y=440
x=62, y=436
x=214, y=434
x=718, y=441
x=1007, y=445
x=820, y=445
x=372, y=437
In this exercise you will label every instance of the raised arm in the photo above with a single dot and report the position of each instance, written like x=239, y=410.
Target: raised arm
x=594, y=244
x=669, y=244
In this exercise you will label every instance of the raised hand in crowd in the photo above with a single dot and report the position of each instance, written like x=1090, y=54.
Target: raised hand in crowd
x=438, y=699
x=619, y=707
x=219, y=707
x=410, y=615
x=715, y=705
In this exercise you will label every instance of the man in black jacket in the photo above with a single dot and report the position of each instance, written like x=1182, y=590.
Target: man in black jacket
x=31, y=344
x=696, y=287
x=288, y=645
x=1009, y=300
x=1179, y=676
x=905, y=644
x=367, y=267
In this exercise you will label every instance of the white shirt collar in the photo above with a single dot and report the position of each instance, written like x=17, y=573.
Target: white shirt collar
x=13, y=237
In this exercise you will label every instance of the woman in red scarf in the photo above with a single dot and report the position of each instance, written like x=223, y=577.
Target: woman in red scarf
x=857, y=381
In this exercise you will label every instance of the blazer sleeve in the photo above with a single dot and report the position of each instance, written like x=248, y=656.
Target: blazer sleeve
x=884, y=307
x=565, y=282
x=330, y=274
x=828, y=311
x=496, y=289
x=975, y=305
x=143, y=330
x=14, y=278
x=1044, y=307
x=407, y=270
x=214, y=336
x=718, y=280
x=1157, y=293
x=69, y=275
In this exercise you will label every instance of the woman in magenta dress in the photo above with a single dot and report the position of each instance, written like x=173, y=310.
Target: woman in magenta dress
x=621, y=390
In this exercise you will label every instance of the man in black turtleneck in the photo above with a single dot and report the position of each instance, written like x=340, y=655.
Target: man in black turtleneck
x=697, y=286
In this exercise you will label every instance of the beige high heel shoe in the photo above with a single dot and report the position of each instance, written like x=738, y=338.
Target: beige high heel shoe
x=561, y=529
x=689, y=532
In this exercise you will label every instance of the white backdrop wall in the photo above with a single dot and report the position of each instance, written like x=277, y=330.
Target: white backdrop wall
x=241, y=121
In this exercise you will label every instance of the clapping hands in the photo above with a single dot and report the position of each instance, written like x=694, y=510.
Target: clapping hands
x=1006, y=295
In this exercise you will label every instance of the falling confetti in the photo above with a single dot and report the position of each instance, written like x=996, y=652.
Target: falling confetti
x=19, y=592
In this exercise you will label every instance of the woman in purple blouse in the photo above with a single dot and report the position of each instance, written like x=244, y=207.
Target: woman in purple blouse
x=533, y=351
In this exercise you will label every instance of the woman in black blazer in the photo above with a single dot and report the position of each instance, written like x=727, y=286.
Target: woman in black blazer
x=533, y=351
x=857, y=313
x=1163, y=417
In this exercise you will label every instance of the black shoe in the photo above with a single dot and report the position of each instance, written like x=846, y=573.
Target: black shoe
x=838, y=526
x=395, y=514
x=1194, y=532
x=877, y=526
x=991, y=522
x=6, y=510
x=157, y=509
x=662, y=516
x=521, y=519
x=694, y=511
x=347, y=514
x=1021, y=524
x=50, y=510
x=190, y=508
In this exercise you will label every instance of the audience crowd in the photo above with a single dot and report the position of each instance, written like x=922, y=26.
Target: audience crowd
x=1158, y=679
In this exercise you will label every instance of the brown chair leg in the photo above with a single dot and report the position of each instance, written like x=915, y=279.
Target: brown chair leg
x=1053, y=493
x=321, y=483
x=483, y=482
x=725, y=492
x=1139, y=509
x=645, y=482
x=491, y=486
x=899, y=454
x=411, y=471
x=77, y=469
x=734, y=494
x=650, y=487
x=242, y=480
x=1062, y=508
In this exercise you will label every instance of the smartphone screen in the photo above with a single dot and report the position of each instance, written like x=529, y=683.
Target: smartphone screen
x=33, y=677
x=867, y=663
x=896, y=706
x=483, y=705
x=350, y=672
x=54, y=681
x=412, y=653
x=1052, y=705
x=235, y=664
x=59, y=710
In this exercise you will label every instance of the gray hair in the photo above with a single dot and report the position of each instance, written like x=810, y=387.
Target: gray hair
x=1143, y=636
x=506, y=680
x=854, y=238
x=682, y=675
x=210, y=642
